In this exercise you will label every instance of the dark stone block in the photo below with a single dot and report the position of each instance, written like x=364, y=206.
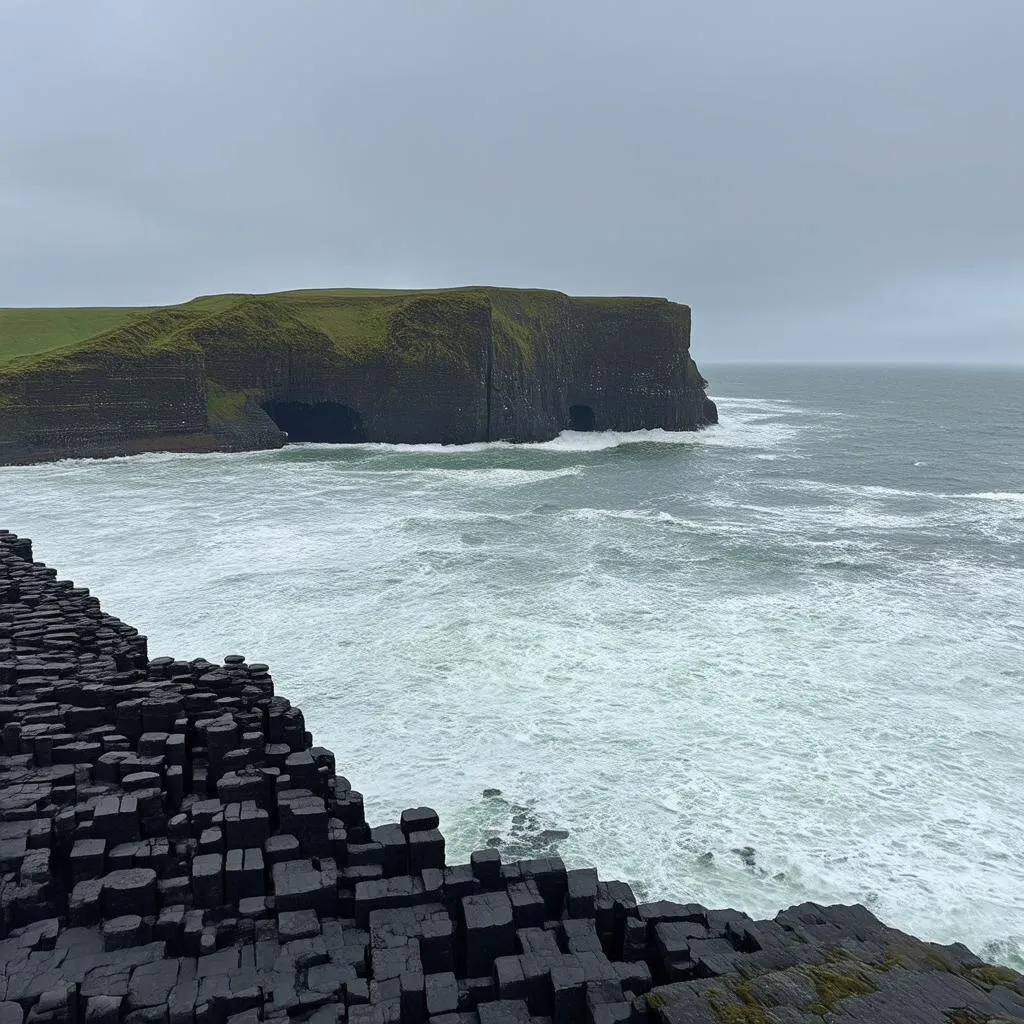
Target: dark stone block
x=538, y=940
x=175, y=891
x=394, y=855
x=442, y=993
x=412, y=997
x=280, y=848
x=552, y=882
x=87, y=859
x=527, y=904
x=170, y=927
x=385, y=893
x=666, y=910
x=634, y=939
x=634, y=978
x=504, y=1011
x=297, y=924
x=181, y=1002
x=426, y=850
x=490, y=930
x=419, y=819
x=365, y=854
x=433, y=885
x=102, y=1010
x=299, y=886
x=581, y=936
x=151, y=983
x=330, y=979
x=568, y=991
x=243, y=874
x=211, y=840
x=116, y=819
x=125, y=932
x=122, y=856
x=581, y=894
x=713, y=957
x=459, y=882
x=107, y=979
x=437, y=944
x=357, y=992
x=208, y=880
x=246, y=825
x=672, y=958
x=130, y=891
x=609, y=1013
x=509, y=978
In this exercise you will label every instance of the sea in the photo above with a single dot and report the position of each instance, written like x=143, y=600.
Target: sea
x=777, y=660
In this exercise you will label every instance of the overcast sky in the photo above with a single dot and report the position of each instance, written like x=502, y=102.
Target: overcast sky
x=819, y=179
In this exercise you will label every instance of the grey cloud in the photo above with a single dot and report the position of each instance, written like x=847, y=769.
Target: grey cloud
x=817, y=180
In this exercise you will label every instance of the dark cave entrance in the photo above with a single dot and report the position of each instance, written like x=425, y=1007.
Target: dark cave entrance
x=319, y=421
x=581, y=417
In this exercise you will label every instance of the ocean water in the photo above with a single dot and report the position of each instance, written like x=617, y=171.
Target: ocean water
x=778, y=660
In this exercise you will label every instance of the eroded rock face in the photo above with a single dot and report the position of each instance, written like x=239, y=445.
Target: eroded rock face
x=452, y=367
x=175, y=850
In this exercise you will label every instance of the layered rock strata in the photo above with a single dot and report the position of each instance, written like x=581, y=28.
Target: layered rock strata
x=175, y=850
x=452, y=367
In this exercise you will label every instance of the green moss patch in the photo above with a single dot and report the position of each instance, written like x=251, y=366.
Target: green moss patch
x=833, y=982
x=520, y=319
x=991, y=975
x=738, y=1006
x=224, y=405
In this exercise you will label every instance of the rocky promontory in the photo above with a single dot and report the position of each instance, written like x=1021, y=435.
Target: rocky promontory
x=175, y=850
x=245, y=372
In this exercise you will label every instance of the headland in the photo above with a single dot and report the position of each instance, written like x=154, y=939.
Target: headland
x=249, y=372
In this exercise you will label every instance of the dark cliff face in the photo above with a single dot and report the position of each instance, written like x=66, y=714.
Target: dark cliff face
x=101, y=404
x=427, y=381
x=446, y=367
x=600, y=364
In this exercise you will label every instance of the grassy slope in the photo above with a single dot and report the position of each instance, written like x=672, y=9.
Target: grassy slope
x=31, y=331
x=357, y=322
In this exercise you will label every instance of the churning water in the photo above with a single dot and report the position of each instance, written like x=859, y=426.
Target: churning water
x=778, y=660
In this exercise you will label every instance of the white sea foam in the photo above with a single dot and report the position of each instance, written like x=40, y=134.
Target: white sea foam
x=750, y=423
x=498, y=477
x=1014, y=496
x=687, y=652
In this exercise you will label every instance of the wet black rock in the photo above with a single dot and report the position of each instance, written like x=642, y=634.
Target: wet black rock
x=174, y=850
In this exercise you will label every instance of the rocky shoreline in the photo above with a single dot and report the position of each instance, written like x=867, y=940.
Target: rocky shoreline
x=175, y=850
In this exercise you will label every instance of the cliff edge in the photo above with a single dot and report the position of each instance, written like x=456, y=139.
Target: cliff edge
x=245, y=372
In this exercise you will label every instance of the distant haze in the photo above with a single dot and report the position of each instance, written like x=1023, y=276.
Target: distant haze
x=819, y=180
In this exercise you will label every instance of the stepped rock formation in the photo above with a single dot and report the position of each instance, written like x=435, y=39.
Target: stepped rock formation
x=240, y=372
x=174, y=850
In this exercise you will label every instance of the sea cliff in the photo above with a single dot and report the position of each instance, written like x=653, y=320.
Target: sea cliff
x=175, y=850
x=244, y=372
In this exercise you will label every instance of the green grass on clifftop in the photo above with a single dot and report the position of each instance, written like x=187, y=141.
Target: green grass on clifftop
x=355, y=322
x=26, y=332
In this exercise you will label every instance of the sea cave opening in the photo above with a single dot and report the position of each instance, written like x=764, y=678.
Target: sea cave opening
x=317, y=421
x=581, y=417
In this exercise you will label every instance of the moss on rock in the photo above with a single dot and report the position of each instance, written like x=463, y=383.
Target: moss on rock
x=834, y=982
x=224, y=405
